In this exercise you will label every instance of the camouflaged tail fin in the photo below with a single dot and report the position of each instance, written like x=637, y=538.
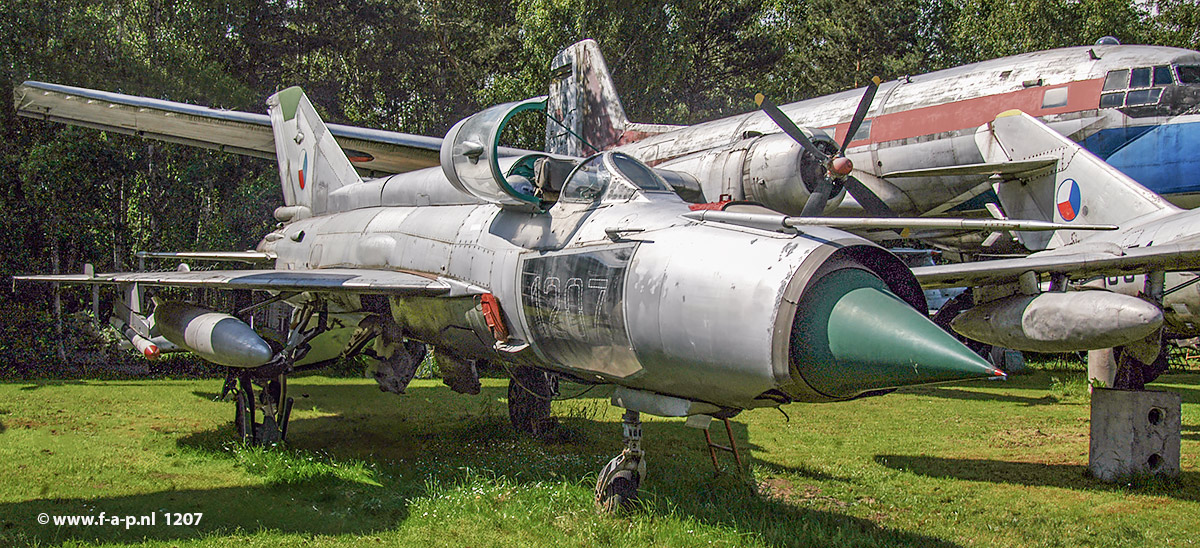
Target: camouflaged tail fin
x=585, y=115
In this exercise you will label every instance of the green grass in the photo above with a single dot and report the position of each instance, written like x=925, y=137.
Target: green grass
x=978, y=464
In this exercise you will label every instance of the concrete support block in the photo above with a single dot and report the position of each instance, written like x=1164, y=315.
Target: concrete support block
x=1102, y=367
x=1134, y=432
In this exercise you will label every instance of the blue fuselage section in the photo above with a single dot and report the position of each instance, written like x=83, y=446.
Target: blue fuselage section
x=1161, y=157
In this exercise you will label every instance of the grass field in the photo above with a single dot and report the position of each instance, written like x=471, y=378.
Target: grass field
x=978, y=464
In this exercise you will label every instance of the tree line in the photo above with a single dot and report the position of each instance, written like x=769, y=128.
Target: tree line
x=69, y=196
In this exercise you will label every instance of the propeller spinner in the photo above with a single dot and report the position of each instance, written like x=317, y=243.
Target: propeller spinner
x=838, y=168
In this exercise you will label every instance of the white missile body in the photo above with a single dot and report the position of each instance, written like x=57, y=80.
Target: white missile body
x=147, y=347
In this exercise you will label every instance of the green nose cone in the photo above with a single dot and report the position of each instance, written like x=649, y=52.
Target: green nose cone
x=852, y=335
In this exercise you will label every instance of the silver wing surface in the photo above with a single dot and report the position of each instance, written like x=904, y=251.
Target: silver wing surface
x=1084, y=263
x=338, y=280
x=230, y=256
x=226, y=130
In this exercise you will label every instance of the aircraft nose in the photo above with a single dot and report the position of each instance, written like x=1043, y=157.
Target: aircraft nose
x=852, y=335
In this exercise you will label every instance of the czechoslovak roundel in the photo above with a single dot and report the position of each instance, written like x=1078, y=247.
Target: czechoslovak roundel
x=1067, y=198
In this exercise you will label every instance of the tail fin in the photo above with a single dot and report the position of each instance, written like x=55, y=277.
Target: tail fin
x=311, y=164
x=584, y=102
x=1079, y=188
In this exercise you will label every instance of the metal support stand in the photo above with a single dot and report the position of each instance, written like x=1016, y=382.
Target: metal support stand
x=731, y=448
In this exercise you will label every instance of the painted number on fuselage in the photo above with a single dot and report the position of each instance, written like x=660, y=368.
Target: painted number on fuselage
x=573, y=303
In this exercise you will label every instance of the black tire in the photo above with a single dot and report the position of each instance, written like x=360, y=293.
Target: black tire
x=267, y=433
x=529, y=393
x=620, y=493
x=243, y=418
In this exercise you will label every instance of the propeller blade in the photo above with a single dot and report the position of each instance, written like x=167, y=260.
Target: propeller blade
x=815, y=206
x=866, y=198
x=789, y=127
x=863, y=106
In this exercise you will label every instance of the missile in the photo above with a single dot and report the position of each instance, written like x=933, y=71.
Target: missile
x=1069, y=321
x=216, y=337
x=142, y=344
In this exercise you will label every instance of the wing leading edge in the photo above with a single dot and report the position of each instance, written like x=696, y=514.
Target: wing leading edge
x=319, y=280
x=1081, y=264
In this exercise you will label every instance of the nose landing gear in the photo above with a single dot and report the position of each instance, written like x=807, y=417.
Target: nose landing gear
x=617, y=485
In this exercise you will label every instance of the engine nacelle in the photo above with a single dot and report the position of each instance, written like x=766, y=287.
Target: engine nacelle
x=773, y=170
x=781, y=174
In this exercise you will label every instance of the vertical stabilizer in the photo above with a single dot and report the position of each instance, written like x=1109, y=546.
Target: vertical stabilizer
x=584, y=101
x=1079, y=188
x=311, y=164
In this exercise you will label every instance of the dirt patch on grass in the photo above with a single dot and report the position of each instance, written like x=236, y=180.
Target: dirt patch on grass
x=784, y=490
x=19, y=422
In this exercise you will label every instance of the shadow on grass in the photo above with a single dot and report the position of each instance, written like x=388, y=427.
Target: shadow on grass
x=1067, y=476
x=430, y=439
x=806, y=472
x=325, y=506
x=44, y=383
x=1189, y=395
x=39, y=384
x=961, y=393
x=1045, y=380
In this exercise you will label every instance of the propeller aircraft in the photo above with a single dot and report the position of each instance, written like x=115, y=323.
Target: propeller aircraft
x=911, y=151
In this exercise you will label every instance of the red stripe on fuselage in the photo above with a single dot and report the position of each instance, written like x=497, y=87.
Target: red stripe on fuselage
x=972, y=113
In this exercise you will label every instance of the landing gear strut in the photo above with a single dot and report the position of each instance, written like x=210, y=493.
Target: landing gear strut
x=617, y=485
x=272, y=401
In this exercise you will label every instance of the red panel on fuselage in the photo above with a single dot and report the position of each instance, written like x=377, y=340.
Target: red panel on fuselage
x=972, y=113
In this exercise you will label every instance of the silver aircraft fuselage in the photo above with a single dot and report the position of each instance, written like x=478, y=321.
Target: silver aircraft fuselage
x=564, y=264
x=622, y=289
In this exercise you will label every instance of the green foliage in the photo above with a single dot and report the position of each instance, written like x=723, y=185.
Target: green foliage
x=70, y=196
x=1069, y=388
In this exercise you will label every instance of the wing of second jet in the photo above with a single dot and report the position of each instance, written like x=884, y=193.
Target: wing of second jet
x=1087, y=262
x=226, y=130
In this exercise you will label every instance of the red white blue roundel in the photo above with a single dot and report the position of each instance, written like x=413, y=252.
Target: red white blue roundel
x=1068, y=197
x=304, y=168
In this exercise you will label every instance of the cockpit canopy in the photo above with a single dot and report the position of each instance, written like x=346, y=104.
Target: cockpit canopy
x=610, y=176
x=471, y=160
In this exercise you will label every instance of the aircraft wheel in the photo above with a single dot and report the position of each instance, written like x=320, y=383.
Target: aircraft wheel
x=529, y=393
x=268, y=433
x=395, y=372
x=1133, y=374
x=619, y=493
